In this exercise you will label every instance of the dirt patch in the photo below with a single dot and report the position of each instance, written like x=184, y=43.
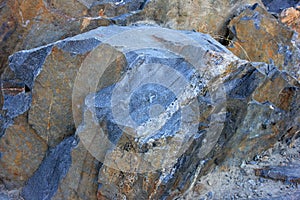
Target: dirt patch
x=242, y=183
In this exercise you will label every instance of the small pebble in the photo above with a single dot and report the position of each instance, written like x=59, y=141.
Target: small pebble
x=209, y=182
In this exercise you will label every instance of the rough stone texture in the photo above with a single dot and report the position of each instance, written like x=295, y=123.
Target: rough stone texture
x=291, y=17
x=51, y=114
x=256, y=38
x=240, y=182
x=203, y=16
x=253, y=123
x=278, y=5
x=49, y=120
x=81, y=181
x=44, y=182
x=32, y=23
x=201, y=107
x=22, y=151
x=290, y=173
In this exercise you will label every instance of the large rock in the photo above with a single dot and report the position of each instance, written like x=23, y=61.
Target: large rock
x=153, y=109
x=203, y=16
x=33, y=23
x=258, y=36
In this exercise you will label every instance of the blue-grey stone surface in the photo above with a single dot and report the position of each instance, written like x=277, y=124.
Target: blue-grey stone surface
x=44, y=182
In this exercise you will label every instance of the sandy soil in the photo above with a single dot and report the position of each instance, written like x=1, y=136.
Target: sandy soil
x=241, y=182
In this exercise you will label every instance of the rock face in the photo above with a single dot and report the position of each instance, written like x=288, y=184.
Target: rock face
x=291, y=17
x=22, y=151
x=44, y=183
x=26, y=25
x=256, y=38
x=135, y=112
x=203, y=16
x=278, y=5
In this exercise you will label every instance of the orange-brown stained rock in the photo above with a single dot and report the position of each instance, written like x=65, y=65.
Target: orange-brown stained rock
x=291, y=17
x=259, y=37
x=249, y=129
x=22, y=152
x=286, y=98
x=51, y=111
x=277, y=91
x=124, y=184
x=31, y=23
x=202, y=16
x=270, y=90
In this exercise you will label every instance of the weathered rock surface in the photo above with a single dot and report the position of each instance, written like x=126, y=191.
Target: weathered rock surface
x=203, y=16
x=153, y=109
x=32, y=23
x=22, y=151
x=290, y=173
x=256, y=38
x=278, y=5
x=291, y=17
x=44, y=183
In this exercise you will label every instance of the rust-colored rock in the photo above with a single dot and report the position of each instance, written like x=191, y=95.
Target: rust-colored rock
x=81, y=182
x=32, y=23
x=50, y=100
x=291, y=17
x=259, y=37
x=22, y=151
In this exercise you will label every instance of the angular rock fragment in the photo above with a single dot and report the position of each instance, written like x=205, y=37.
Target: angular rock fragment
x=259, y=37
x=22, y=151
x=33, y=23
x=278, y=5
x=291, y=17
x=289, y=173
x=256, y=117
x=44, y=182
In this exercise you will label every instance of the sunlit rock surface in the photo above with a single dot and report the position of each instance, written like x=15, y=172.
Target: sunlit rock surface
x=32, y=23
x=135, y=112
x=291, y=17
x=258, y=36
